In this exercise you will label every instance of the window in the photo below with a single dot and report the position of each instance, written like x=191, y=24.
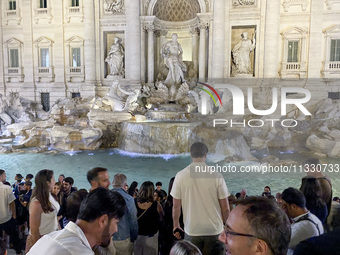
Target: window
x=335, y=50
x=13, y=68
x=43, y=4
x=76, y=62
x=44, y=57
x=294, y=54
x=74, y=3
x=331, y=62
x=12, y=5
x=293, y=50
x=75, y=55
x=14, y=58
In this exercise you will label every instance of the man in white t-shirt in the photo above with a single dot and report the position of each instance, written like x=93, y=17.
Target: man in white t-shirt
x=203, y=196
x=8, y=212
x=98, y=216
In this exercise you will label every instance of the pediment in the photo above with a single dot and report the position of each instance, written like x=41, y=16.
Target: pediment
x=13, y=41
x=332, y=30
x=75, y=39
x=43, y=40
x=295, y=31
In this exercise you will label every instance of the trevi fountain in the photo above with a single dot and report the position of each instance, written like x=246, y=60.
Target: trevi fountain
x=145, y=129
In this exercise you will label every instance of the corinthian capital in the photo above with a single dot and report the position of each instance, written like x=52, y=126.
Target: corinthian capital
x=149, y=27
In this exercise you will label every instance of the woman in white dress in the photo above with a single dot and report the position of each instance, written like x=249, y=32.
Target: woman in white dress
x=43, y=208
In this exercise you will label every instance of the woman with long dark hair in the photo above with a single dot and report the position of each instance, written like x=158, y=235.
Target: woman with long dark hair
x=132, y=191
x=43, y=208
x=313, y=194
x=150, y=215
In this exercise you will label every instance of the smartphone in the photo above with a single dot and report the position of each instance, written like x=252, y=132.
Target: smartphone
x=180, y=232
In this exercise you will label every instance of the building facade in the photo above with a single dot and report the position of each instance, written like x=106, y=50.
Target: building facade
x=57, y=49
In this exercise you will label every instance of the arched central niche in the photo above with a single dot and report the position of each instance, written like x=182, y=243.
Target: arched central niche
x=176, y=10
x=180, y=17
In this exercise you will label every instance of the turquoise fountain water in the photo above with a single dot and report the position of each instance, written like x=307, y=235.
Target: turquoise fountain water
x=155, y=168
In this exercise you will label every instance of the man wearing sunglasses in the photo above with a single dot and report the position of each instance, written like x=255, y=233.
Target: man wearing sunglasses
x=256, y=226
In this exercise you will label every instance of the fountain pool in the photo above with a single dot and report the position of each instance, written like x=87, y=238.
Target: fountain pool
x=155, y=168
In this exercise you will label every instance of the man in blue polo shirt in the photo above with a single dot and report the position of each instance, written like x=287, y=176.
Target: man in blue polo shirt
x=128, y=226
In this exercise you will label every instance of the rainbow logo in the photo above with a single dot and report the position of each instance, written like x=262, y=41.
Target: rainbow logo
x=209, y=93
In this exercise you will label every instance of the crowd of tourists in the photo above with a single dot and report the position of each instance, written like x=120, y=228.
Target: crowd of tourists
x=197, y=215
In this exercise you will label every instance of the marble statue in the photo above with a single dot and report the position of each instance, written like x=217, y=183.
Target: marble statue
x=114, y=6
x=197, y=104
x=227, y=99
x=241, y=58
x=115, y=57
x=172, y=53
x=132, y=100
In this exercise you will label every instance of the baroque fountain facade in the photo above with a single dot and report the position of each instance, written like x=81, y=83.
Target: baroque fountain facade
x=136, y=75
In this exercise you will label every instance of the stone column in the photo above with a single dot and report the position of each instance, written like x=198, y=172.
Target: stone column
x=272, y=39
x=218, y=49
x=315, y=57
x=143, y=57
x=202, y=54
x=151, y=53
x=90, y=42
x=194, y=48
x=133, y=40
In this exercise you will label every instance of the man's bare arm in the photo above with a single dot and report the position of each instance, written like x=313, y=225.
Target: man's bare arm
x=176, y=213
x=224, y=204
x=12, y=207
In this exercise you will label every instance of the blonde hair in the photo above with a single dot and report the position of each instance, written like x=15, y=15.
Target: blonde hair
x=184, y=247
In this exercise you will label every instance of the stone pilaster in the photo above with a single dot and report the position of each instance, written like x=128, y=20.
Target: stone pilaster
x=315, y=57
x=218, y=49
x=272, y=39
x=27, y=53
x=59, y=63
x=90, y=42
x=133, y=40
x=2, y=82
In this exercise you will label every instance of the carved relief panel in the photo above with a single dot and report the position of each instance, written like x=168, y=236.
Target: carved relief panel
x=114, y=6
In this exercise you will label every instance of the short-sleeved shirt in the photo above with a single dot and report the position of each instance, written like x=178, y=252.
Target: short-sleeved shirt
x=304, y=229
x=69, y=241
x=200, y=196
x=6, y=197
